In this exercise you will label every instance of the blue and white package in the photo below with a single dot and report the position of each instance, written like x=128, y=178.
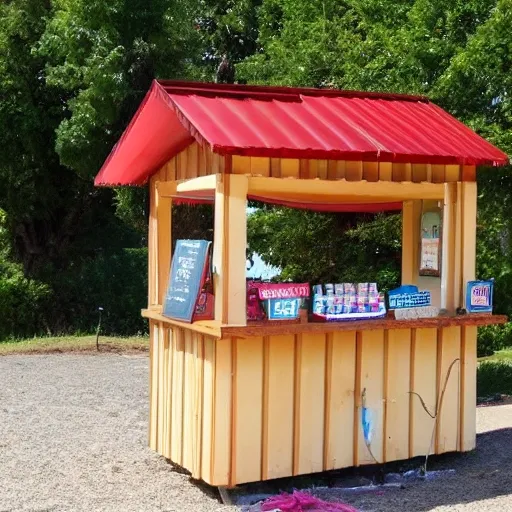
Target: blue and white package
x=479, y=296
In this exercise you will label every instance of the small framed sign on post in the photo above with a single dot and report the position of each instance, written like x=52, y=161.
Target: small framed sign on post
x=430, y=251
x=189, y=294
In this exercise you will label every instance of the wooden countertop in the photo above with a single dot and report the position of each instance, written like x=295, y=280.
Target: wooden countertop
x=270, y=328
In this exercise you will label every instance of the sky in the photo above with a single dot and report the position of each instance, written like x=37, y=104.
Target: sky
x=260, y=270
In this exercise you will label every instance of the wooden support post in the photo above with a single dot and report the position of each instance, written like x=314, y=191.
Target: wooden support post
x=468, y=225
x=152, y=246
x=411, y=214
x=448, y=250
x=229, y=253
x=164, y=242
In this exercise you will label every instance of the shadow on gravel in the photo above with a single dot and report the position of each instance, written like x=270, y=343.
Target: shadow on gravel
x=483, y=474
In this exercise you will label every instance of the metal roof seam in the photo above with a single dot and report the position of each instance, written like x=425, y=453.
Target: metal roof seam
x=289, y=123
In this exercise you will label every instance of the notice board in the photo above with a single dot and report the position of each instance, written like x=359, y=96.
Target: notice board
x=185, y=278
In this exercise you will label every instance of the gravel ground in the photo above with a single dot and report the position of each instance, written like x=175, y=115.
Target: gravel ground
x=483, y=480
x=73, y=435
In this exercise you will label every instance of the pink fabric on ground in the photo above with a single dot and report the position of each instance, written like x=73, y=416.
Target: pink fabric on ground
x=303, y=502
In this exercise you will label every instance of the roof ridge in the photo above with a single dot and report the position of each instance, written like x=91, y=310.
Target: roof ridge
x=282, y=93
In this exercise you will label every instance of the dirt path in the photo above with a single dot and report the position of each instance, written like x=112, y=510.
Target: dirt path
x=73, y=431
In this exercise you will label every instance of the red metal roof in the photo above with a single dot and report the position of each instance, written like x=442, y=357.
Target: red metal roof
x=289, y=123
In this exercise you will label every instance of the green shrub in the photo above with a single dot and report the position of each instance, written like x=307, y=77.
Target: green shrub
x=494, y=377
x=117, y=282
x=23, y=302
x=492, y=338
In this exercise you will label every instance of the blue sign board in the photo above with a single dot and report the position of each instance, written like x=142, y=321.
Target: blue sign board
x=187, y=269
x=479, y=296
x=283, y=309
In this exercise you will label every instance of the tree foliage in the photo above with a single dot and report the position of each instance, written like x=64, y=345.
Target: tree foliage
x=320, y=248
x=72, y=73
x=458, y=53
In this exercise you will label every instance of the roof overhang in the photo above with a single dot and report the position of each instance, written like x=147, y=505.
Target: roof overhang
x=284, y=122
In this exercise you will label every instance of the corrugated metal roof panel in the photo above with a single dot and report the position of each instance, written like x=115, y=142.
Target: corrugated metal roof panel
x=290, y=123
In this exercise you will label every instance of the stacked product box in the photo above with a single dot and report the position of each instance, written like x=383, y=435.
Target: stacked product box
x=347, y=301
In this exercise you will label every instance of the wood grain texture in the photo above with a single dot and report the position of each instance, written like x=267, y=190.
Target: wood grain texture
x=385, y=171
x=438, y=173
x=340, y=404
x=152, y=245
x=459, y=250
x=334, y=192
x=448, y=424
x=411, y=214
x=241, y=164
x=161, y=393
x=197, y=408
x=311, y=415
x=269, y=329
x=167, y=360
x=424, y=385
x=353, y=170
x=222, y=414
x=468, y=223
x=398, y=172
x=178, y=363
x=332, y=169
x=275, y=167
x=467, y=436
x=412, y=365
x=297, y=370
x=229, y=252
x=327, y=396
x=371, y=171
x=341, y=167
x=304, y=170
x=248, y=410
x=356, y=417
x=372, y=379
x=192, y=170
x=289, y=168
x=189, y=384
x=452, y=173
x=322, y=172
x=397, y=394
x=468, y=173
x=448, y=248
x=164, y=244
x=208, y=404
x=260, y=166
x=280, y=419
x=237, y=410
x=419, y=173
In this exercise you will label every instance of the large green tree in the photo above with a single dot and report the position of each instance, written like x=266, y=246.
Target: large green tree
x=458, y=53
x=72, y=73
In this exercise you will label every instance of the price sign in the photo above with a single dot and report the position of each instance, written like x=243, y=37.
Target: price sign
x=188, y=264
x=283, y=309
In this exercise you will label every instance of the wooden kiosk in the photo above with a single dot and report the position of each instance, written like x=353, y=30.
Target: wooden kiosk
x=234, y=401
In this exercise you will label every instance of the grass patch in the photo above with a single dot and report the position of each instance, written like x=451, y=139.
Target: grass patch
x=500, y=355
x=74, y=344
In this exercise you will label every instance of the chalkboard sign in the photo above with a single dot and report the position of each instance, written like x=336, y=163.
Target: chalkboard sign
x=187, y=269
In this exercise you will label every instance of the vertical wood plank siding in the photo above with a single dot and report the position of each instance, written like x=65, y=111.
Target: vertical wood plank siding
x=239, y=410
x=197, y=160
